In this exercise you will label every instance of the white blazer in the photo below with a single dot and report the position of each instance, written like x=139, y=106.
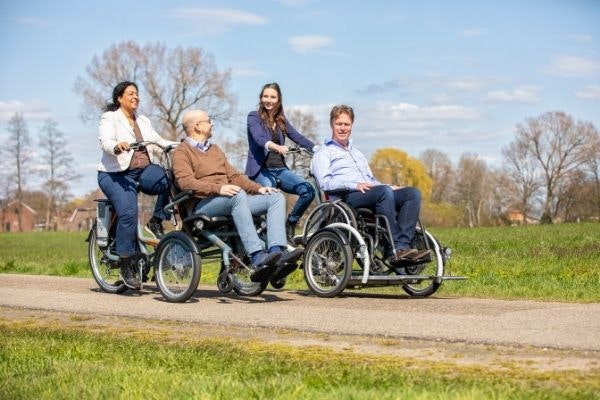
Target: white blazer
x=114, y=128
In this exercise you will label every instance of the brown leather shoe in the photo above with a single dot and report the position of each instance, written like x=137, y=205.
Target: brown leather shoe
x=402, y=255
x=421, y=254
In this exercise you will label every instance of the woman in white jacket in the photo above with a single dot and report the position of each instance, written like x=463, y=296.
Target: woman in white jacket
x=122, y=170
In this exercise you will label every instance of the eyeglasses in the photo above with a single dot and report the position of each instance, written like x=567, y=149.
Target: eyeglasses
x=209, y=120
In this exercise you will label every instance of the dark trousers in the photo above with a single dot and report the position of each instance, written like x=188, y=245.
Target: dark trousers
x=121, y=189
x=401, y=207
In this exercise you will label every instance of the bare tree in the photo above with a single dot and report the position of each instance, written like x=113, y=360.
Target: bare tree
x=470, y=188
x=174, y=80
x=58, y=171
x=305, y=123
x=522, y=168
x=439, y=167
x=18, y=150
x=591, y=160
x=557, y=142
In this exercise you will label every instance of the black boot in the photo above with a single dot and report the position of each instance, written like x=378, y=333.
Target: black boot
x=290, y=232
x=127, y=266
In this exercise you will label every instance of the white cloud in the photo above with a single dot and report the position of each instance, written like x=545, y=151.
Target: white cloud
x=216, y=20
x=573, y=66
x=31, y=110
x=441, y=98
x=310, y=43
x=524, y=94
x=296, y=3
x=474, y=32
x=28, y=20
x=580, y=38
x=590, y=92
x=470, y=84
x=433, y=114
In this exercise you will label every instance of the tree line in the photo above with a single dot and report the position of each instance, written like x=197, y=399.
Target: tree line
x=550, y=171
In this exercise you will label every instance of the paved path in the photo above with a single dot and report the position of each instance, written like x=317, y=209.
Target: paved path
x=463, y=320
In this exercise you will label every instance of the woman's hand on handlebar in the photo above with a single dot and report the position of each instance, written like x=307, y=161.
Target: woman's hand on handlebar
x=121, y=147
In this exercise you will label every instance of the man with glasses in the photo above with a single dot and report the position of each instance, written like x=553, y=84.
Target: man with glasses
x=220, y=190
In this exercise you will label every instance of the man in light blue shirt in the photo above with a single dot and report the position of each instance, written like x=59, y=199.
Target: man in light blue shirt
x=339, y=165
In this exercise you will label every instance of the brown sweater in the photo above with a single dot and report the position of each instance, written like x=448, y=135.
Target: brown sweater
x=206, y=173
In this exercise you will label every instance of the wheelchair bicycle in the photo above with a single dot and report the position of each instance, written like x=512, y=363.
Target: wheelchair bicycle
x=176, y=258
x=346, y=248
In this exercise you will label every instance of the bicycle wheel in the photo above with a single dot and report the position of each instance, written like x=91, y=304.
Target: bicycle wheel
x=105, y=271
x=327, y=263
x=177, y=265
x=325, y=214
x=431, y=266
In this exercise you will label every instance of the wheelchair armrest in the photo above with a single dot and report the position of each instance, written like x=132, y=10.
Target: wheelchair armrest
x=337, y=192
x=186, y=194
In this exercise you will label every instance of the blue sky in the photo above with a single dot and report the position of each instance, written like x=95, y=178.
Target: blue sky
x=456, y=76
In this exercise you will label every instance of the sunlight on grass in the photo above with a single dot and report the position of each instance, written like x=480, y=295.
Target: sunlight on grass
x=69, y=363
x=541, y=262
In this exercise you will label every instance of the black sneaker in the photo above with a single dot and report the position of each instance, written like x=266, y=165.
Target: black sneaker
x=290, y=257
x=264, y=265
x=155, y=227
x=290, y=231
x=128, y=274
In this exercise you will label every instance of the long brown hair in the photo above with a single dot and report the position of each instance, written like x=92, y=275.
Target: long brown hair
x=275, y=116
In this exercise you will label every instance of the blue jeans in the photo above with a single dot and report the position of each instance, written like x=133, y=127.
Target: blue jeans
x=401, y=207
x=121, y=189
x=290, y=183
x=242, y=207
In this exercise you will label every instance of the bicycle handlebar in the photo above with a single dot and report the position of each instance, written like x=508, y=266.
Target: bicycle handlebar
x=144, y=143
x=299, y=150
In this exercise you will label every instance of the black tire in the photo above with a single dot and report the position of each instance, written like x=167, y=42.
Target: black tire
x=105, y=271
x=177, y=267
x=432, y=267
x=327, y=263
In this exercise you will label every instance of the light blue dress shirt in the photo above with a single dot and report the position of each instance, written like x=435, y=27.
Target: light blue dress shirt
x=203, y=147
x=336, y=167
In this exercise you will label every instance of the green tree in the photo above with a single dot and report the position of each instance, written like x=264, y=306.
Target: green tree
x=395, y=167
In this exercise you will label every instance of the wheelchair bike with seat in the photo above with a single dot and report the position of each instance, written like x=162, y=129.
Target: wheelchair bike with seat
x=209, y=238
x=103, y=259
x=347, y=248
x=177, y=257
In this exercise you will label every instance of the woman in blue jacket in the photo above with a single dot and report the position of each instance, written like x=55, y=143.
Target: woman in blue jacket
x=268, y=129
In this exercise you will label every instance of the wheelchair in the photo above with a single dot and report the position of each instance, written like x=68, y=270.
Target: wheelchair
x=347, y=248
x=180, y=253
x=336, y=235
x=205, y=238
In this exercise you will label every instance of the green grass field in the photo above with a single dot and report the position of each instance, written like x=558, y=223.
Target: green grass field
x=549, y=262
x=48, y=361
x=54, y=362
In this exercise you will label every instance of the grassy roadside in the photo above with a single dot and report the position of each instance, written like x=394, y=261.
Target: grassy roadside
x=549, y=262
x=38, y=360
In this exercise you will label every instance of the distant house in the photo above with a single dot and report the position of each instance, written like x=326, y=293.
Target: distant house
x=9, y=217
x=515, y=217
x=82, y=218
